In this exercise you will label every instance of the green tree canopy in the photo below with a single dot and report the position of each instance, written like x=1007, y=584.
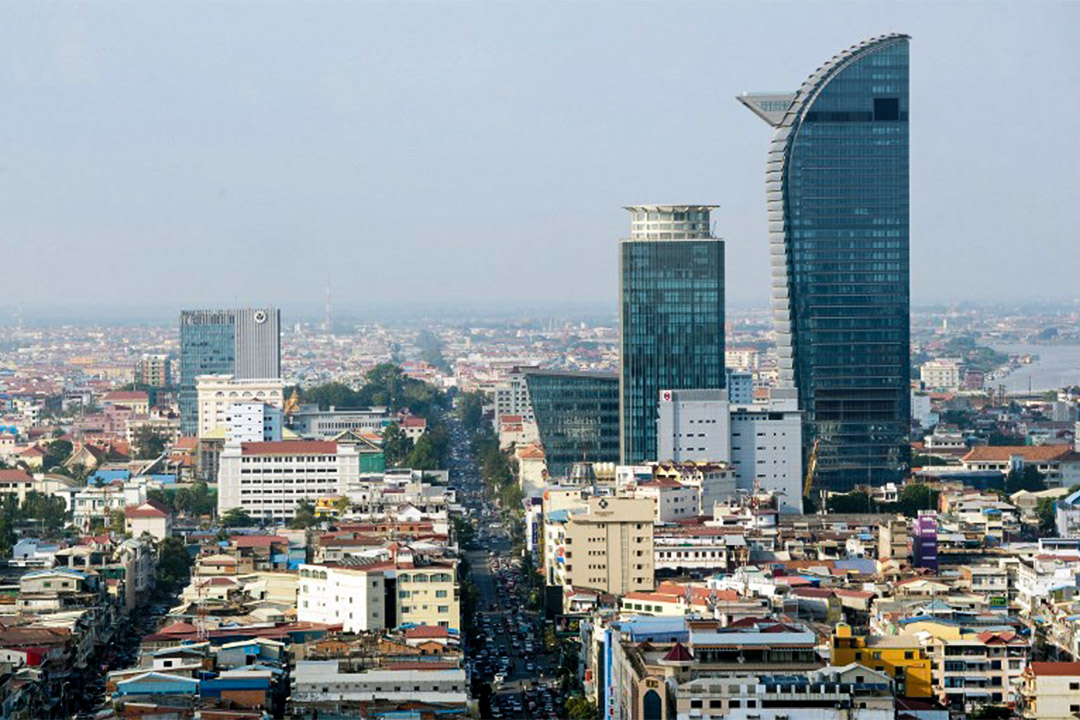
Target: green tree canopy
x=1046, y=511
x=237, y=517
x=194, y=500
x=470, y=408
x=118, y=522
x=304, y=515
x=424, y=455
x=1028, y=478
x=149, y=443
x=396, y=445
x=174, y=564
x=849, y=503
x=50, y=511
x=913, y=498
x=56, y=454
x=431, y=350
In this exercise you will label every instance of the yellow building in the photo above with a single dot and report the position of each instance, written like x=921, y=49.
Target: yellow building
x=428, y=594
x=902, y=657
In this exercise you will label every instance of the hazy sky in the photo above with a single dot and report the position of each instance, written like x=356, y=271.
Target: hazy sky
x=178, y=154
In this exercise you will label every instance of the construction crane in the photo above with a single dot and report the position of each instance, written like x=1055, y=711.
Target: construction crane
x=811, y=469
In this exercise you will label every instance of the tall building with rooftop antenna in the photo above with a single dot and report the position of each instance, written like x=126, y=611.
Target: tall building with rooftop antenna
x=671, y=316
x=837, y=195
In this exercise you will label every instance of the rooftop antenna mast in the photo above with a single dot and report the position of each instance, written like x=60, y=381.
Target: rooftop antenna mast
x=329, y=327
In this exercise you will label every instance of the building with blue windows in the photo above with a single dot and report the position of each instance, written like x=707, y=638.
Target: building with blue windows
x=243, y=343
x=577, y=416
x=671, y=316
x=837, y=195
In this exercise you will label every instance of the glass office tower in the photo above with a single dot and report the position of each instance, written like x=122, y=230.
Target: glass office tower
x=577, y=415
x=837, y=193
x=671, y=316
x=243, y=343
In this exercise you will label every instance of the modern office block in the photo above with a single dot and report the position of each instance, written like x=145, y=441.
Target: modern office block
x=577, y=415
x=837, y=192
x=671, y=316
x=694, y=426
x=243, y=343
x=763, y=442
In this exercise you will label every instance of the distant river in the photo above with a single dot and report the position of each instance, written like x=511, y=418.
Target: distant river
x=1057, y=366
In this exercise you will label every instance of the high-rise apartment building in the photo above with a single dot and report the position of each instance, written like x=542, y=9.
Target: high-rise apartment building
x=671, y=316
x=837, y=195
x=153, y=370
x=243, y=343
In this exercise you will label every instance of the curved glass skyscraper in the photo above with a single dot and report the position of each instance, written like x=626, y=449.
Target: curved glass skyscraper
x=837, y=187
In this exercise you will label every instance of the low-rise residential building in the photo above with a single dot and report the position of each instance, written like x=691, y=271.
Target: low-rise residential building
x=1051, y=691
x=352, y=597
x=151, y=517
x=902, y=658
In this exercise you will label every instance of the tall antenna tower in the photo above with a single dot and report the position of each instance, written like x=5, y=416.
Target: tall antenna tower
x=329, y=321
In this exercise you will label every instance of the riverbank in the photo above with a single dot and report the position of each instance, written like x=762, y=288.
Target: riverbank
x=1052, y=367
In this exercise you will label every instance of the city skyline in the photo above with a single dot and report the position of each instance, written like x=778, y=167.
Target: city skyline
x=368, y=168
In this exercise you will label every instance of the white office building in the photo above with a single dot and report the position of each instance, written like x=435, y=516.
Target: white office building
x=268, y=478
x=694, y=426
x=337, y=681
x=216, y=394
x=310, y=421
x=253, y=422
x=763, y=442
x=941, y=374
x=766, y=448
x=512, y=397
x=741, y=358
x=352, y=597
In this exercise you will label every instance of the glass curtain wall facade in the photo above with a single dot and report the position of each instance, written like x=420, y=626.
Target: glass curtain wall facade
x=577, y=415
x=671, y=317
x=243, y=343
x=837, y=185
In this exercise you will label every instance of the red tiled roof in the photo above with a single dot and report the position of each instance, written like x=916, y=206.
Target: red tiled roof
x=178, y=628
x=290, y=447
x=1059, y=669
x=15, y=475
x=426, y=631
x=531, y=452
x=1030, y=453
x=812, y=592
x=144, y=511
x=249, y=541
x=126, y=395
x=678, y=654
